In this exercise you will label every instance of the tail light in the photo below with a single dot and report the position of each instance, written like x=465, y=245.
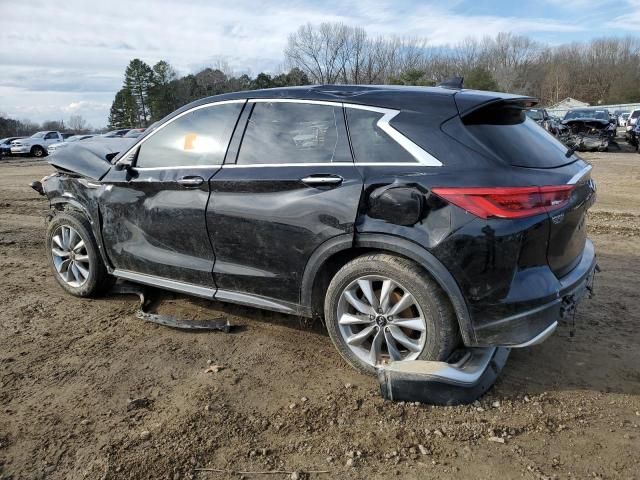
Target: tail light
x=507, y=202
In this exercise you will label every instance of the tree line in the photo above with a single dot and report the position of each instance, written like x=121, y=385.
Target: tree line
x=10, y=127
x=600, y=71
x=151, y=92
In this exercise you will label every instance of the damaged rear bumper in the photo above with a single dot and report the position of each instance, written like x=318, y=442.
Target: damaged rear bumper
x=535, y=325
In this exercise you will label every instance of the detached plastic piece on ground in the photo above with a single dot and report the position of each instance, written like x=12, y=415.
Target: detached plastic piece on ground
x=221, y=324
x=441, y=383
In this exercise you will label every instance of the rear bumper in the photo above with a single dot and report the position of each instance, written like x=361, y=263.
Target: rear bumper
x=533, y=326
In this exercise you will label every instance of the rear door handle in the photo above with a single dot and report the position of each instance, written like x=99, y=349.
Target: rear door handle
x=321, y=180
x=191, y=181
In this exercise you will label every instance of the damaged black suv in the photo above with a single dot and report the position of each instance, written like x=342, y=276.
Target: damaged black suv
x=414, y=220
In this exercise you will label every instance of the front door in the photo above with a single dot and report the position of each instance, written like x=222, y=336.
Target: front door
x=291, y=187
x=153, y=214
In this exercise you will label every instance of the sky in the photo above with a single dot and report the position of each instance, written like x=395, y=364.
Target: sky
x=59, y=59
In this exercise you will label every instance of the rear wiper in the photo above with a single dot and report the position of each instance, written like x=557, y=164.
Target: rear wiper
x=571, y=151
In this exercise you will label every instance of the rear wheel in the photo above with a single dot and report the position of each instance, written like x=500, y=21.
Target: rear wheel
x=73, y=254
x=380, y=308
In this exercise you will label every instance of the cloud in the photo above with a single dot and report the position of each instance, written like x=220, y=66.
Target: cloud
x=62, y=56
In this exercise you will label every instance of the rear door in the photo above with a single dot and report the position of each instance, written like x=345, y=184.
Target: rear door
x=153, y=214
x=290, y=186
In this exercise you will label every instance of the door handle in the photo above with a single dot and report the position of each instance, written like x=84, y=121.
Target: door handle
x=322, y=180
x=191, y=181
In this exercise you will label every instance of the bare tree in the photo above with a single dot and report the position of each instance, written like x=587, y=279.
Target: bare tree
x=77, y=123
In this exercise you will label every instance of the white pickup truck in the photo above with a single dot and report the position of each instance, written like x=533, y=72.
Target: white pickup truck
x=36, y=145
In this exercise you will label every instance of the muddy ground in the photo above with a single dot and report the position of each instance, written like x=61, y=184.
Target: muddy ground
x=284, y=399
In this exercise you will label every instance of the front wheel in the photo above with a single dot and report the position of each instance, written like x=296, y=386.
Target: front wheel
x=380, y=308
x=73, y=255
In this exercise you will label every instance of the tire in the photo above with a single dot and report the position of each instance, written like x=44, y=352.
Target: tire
x=38, y=152
x=89, y=277
x=437, y=341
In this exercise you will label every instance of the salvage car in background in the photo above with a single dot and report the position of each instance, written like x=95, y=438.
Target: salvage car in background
x=116, y=133
x=5, y=146
x=332, y=201
x=622, y=119
x=74, y=138
x=546, y=121
x=588, y=129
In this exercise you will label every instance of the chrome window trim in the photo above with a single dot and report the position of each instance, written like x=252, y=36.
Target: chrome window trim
x=422, y=157
x=156, y=130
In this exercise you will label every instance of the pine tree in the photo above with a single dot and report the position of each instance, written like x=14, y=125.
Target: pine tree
x=161, y=95
x=124, y=110
x=138, y=80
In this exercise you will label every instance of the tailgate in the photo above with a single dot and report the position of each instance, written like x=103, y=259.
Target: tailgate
x=567, y=229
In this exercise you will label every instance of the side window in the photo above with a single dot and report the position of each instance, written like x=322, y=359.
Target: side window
x=282, y=132
x=50, y=136
x=198, y=138
x=370, y=143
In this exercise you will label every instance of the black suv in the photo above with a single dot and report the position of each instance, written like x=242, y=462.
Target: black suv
x=414, y=220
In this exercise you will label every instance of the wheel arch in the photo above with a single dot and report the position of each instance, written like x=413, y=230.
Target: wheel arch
x=334, y=253
x=65, y=203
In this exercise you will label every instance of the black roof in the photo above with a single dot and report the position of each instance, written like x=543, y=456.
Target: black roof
x=397, y=97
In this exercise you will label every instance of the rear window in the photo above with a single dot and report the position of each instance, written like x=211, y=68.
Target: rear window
x=507, y=133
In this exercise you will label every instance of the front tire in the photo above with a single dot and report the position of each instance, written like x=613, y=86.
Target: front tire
x=380, y=307
x=74, y=257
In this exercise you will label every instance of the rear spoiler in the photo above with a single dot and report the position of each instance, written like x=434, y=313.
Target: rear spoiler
x=469, y=101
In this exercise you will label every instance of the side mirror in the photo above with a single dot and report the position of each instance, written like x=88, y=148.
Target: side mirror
x=125, y=163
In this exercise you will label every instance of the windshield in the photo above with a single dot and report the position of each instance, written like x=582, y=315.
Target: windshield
x=587, y=113
x=38, y=135
x=74, y=138
x=535, y=114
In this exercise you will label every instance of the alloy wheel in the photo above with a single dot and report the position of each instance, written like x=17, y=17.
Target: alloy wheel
x=70, y=256
x=380, y=320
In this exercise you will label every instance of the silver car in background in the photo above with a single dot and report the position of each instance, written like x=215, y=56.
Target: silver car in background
x=75, y=138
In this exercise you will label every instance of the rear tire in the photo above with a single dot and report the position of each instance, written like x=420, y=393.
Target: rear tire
x=73, y=255
x=426, y=329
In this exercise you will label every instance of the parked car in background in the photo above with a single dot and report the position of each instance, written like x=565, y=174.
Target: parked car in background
x=622, y=119
x=407, y=217
x=5, y=146
x=74, y=138
x=116, y=133
x=134, y=133
x=36, y=145
x=546, y=121
x=588, y=129
x=632, y=120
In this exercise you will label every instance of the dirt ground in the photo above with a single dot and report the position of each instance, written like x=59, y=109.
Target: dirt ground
x=284, y=399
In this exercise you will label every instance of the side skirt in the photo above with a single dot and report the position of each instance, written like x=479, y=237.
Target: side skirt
x=238, y=298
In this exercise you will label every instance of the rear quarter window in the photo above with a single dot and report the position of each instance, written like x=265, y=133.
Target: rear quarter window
x=507, y=133
x=370, y=143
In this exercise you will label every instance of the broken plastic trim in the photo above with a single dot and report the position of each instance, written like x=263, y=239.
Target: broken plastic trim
x=169, y=320
x=441, y=383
